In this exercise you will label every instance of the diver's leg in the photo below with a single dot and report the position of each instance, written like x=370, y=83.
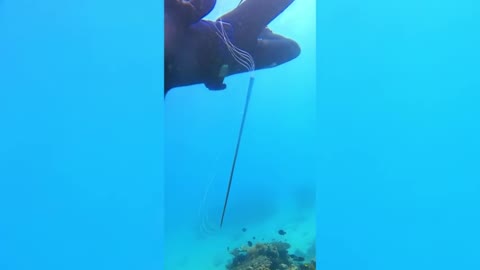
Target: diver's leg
x=270, y=50
x=251, y=17
x=187, y=12
x=273, y=50
x=201, y=7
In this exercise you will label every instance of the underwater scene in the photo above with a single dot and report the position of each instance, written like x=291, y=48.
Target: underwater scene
x=101, y=170
x=269, y=222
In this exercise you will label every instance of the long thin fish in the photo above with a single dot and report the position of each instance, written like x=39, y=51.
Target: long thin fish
x=249, y=92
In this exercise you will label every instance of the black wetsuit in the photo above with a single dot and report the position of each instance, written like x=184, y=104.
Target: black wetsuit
x=194, y=52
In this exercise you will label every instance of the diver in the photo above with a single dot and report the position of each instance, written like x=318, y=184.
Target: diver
x=196, y=53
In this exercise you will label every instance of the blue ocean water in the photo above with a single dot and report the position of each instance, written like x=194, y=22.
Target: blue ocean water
x=398, y=109
x=81, y=135
x=274, y=182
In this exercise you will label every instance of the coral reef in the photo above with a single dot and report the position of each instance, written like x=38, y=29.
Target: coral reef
x=267, y=256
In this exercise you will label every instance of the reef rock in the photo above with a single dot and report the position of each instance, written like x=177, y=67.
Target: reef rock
x=265, y=256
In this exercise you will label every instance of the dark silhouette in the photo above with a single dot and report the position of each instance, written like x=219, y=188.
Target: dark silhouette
x=196, y=53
